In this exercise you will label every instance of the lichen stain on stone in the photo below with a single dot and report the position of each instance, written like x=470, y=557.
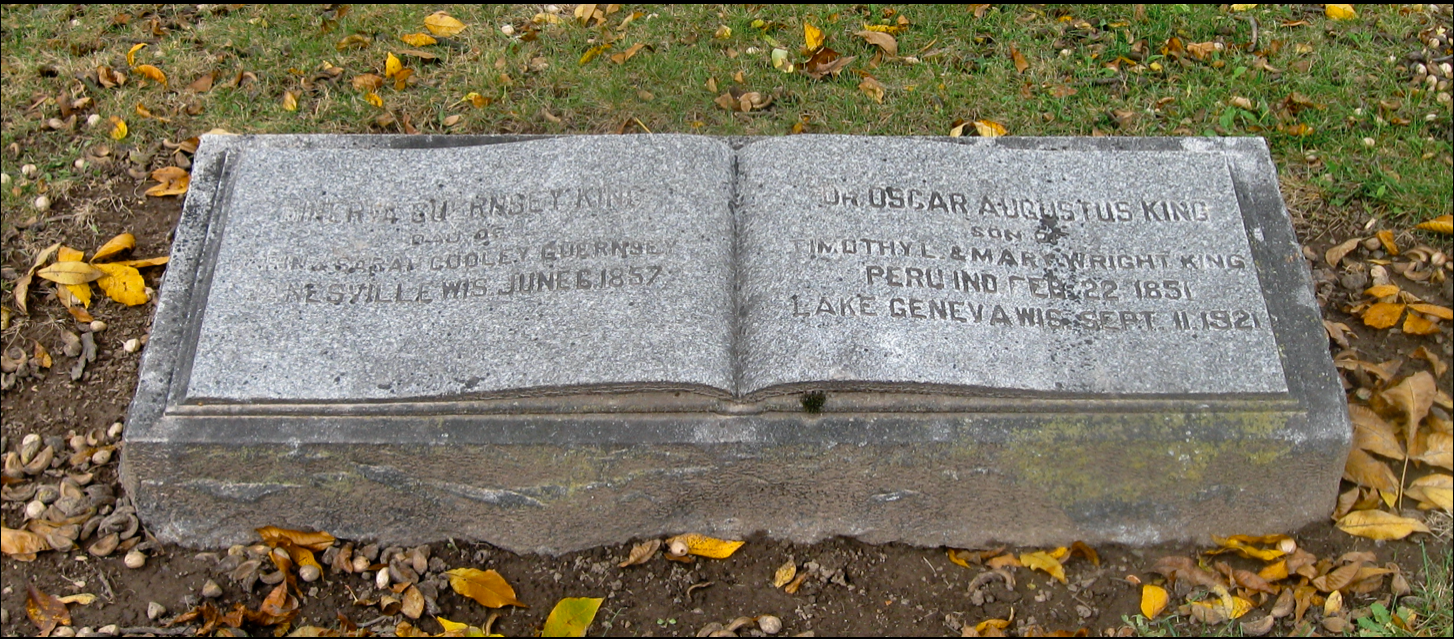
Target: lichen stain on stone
x=1134, y=458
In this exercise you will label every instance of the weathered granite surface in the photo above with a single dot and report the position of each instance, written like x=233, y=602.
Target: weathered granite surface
x=328, y=354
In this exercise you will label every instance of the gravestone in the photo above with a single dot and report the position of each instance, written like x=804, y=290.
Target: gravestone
x=554, y=343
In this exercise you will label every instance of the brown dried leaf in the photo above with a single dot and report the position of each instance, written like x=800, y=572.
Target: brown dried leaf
x=22, y=285
x=882, y=40
x=622, y=57
x=1364, y=470
x=1251, y=581
x=872, y=88
x=202, y=84
x=784, y=574
x=278, y=537
x=413, y=603
x=21, y=545
x=171, y=180
x=1338, y=579
x=1414, y=395
x=1337, y=253
x=641, y=552
x=1090, y=554
x=1284, y=604
x=45, y=610
x=1372, y=434
x=825, y=61
x=1021, y=64
x=1185, y=569
x=1377, y=524
x=1438, y=450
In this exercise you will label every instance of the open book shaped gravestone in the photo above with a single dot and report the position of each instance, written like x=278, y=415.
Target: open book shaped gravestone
x=554, y=343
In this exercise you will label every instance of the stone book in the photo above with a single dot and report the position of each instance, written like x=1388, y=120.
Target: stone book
x=540, y=302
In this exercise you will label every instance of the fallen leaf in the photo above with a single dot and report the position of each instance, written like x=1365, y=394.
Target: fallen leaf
x=1019, y=58
x=484, y=586
x=155, y=74
x=1340, y=11
x=290, y=101
x=202, y=84
x=1383, y=314
x=81, y=599
x=1441, y=312
x=368, y=82
x=813, y=38
x=131, y=53
x=1006, y=560
x=1379, y=525
x=1177, y=568
x=392, y=66
x=622, y=57
x=1246, y=546
x=45, y=610
x=21, y=545
x=354, y=41
x=1436, y=489
x=413, y=605
x=1210, y=612
x=787, y=571
x=151, y=261
x=1338, y=579
x=825, y=61
x=1042, y=561
x=121, y=242
x=872, y=88
x=1153, y=600
x=442, y=24
x=374, y=99
x=592, y=52
x=171, y=181
x=1364, y=470
x=1414, y=395
x=70, y=273
x=1284, y=604
x=277, y=537
x=704, y=546
x=118, y=128
x=1416, y=324
x=1442, y=224
x=1438, y=450
x=571, y=616
x=1385, y=237
x=1277, y=571
x=796, y=583
x=989, y=128
x=1337, y=253
x=418, y=39
x=1090, y=554
x=1372, y=434
x=882, y=40
x=723, y=32
x=641, y=552
x=1384, y=290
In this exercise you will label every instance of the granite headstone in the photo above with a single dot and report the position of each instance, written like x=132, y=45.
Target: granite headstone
x=553, y=343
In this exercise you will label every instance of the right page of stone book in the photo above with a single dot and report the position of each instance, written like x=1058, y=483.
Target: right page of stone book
x=920, y=264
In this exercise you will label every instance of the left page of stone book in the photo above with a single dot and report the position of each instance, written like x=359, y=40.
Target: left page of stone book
x=339, y=269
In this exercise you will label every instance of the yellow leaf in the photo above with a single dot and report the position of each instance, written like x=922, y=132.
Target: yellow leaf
x=1021, y=64
x=1364, y=470
x=477, y=100
x=1383, y=314
x=274, y=536
x=131, y=54
x=374, y=99
x=787, y=571
x=1372, y=434
x=1341, y=11
x=68, y=254
x=1384, y=290
x=118, y=128
x=1337, y=253
x=983, y=628
x=82, y=293
x=1439, y=450
x=1244, y=545
x=704, y=546
x=484, y=586
x=1385, y=237
x=1437, y=489
x=592, y=52
x=21, y=544
x=418, y=39
x=1414, y=395
x=115, y=245
x=571, y=616
x=956, y=557
x=451, y=626
x=723, y=32
x=881, y=40
x=813, y=38
x=623, y=56
x=122, y=283
x=1241, y=607
x=1242, y=7
x=872, y=88
x=392, y=66
x=1380, y=525
x=442, y=24
x=989, y=128
x=1153, y=600
x=70, y=273
x=1275, y=571
x=1042, y=561
x=152, y=72
x=1442, y=224
x=1416, y=324
x=171, y=180
x=151, y=261
x=290, y=101
x=1441, y=312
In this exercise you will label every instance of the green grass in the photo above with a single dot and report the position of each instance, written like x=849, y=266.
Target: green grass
x=956, y=67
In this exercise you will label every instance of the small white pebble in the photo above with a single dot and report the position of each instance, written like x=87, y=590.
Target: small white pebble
x=309, y=573
x=382, y=579
x=508, y=30
x=34, y=509
x=97, y=326
x=211, y=590
x=134, y=559
x=770, y=624
x=41, y=203
x=30, y=171
x=80, y=163
x=155, y=610
x=1368, y=142
x=115, y=430
x=131, y=345
x=5, y=179
x=93, y=119
x=101, y=457
x=110, y=630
